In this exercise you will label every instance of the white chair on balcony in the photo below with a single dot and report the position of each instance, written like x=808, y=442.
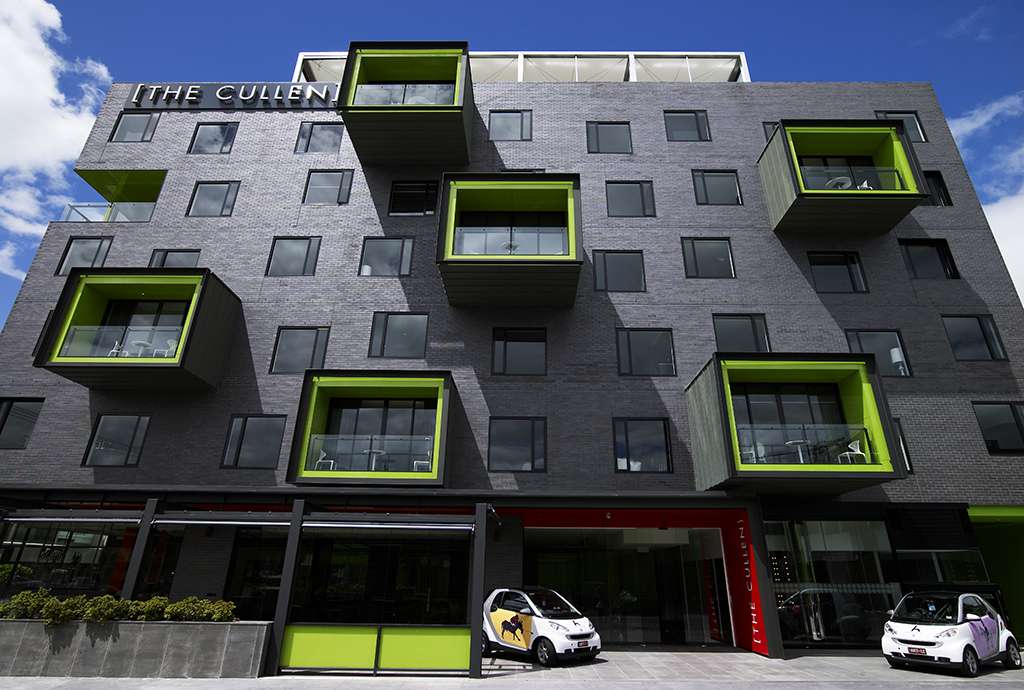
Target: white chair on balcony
x=323, y=462
x=172, y=347
x=853, y=456
x=116, y=350
x=421, y=465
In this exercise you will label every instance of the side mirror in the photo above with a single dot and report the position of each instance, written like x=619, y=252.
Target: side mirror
x=526, y=611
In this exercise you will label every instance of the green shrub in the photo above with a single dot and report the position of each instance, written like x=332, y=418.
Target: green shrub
x=151, y=609
x=222, y=611
x=54, y=611
x=22, y=571
x=106, y=608
x=27, y=604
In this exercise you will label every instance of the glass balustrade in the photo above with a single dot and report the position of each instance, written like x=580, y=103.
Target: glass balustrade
x=369, y=453
x=803, y=444
x=517, y=241
x=851, y=178
x=404, y=94
x=121, y=341
x=118, y=212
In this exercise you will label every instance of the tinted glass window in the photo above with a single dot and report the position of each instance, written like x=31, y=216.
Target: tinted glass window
x=741, y=333
x=17, y=419
x=84, y=252
x=135, y=127
x=609, y=137
x=512, y=125
x=973, y=337
x=386, y=257
x=293, y=256
x=911, y=125
x=516, y=445
x=298, y=349
x=837, y=272
x=117, y=441
x=254, y=442
x=887, y=348
x=328, y=187
x=1000, y=426
x=213, y=199
x=520, y=351
x=174, y=258
x=687, y=125
x=928, y=259
x=398, y=335
x=630, y=199
x=705, y=258
x=412, y=199
x=619, y=271
x=641, y=445
x=319, y=137
x=938, y=195
x=646, y=352
x=721, y=187
x=214, y=138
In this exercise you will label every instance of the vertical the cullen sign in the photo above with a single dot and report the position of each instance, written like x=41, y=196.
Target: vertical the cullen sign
x=240, y=96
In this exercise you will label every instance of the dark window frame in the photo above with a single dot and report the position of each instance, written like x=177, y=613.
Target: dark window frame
x=604, y=268
x=316, y=257
x=881, y=115
x=131, y=444
x=749, y=316
x=696, y=113
x=384, y=335
x=234, y=197
x=153, y=256
x=641, y=183
x=899, y=339
x=5, y=414
x=618, y=351
x=428, y=210
x=245, y=421
x=985, y=333
x=703, y=171
x=1018, y=417
x=533, y=442
x=109, y=239
x=667, y=427
x=686, y=264
x=597, y=135
x=150, y=126
x=309, y=137
x=901, y=438
x=503, y=330
x=849, y=267
x=942, y=248
x=522, y=113
x=232, y=125
x=408, y=247
x=944, y=199
x=277, y=341
x=347, y=174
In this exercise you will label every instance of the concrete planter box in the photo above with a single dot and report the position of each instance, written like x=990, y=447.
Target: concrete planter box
x=158, y=649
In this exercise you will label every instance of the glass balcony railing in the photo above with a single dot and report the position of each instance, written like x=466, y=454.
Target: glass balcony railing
x=117, y=212
x=495, y=241
x=803, y=444
x=852, y=178
x=369, y=453
x=404, y=94
x=121, y=341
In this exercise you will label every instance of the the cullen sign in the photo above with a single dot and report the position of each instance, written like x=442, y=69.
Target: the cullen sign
x=319, y=95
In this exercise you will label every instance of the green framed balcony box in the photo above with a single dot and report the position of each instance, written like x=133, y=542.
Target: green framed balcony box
x=371, y=427
x=791, y=422
x=165, y=328
x=510, y=239
x=408, y=102
x=131, y=196
x=857, y=176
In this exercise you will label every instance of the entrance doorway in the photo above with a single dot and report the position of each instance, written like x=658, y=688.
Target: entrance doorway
x=637, y=585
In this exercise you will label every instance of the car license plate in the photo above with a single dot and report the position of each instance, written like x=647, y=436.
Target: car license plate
x=917, y=650
x=583, y=643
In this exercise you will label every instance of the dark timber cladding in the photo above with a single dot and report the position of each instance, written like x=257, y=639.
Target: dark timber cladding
x=863, y=198
x=389, y=129
x=510, y=279
x=76, y=343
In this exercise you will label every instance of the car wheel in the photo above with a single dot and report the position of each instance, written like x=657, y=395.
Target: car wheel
x=970, y=666
x=545, y=652
x=1011, y=659
x=895, y=663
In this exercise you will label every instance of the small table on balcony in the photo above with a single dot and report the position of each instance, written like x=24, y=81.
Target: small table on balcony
x=799, y=443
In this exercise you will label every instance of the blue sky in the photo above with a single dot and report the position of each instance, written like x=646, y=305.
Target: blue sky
x=61, y=57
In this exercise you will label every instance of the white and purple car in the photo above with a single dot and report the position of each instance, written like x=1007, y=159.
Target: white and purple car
x=948, y=629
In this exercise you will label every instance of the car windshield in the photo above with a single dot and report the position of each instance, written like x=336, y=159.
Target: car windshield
x=552, y=605
x=939, y=608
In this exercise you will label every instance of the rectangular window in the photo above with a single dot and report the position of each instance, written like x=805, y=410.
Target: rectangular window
x=412, y=199
x=117, y=441
x=520, y=352
x=641, y=445
x=213, y=137
x=517, y=444
x=929, y=259
x=687, y=125
x=886, y=346
x=837, y=272
x=645, y=352
x=385, y=256
x=254, y=441
x=708, y=258
x=293, y=256
x=319, y=137
x=938, y=195
x=84, y=252
x=609, y=137
x=769, y=129
x=398, y=335
x=174, y=258
x=902, y=438
x=135, y=127
x=17, y=420
x=741, y=333
x=911, y=123
x=619, y=271
x=1002, y=426
x=630, y=199
x=511, y=125
x=298, y=349
x=717, y=187
x=974, y=338
x=327, y=187
x=212, y=199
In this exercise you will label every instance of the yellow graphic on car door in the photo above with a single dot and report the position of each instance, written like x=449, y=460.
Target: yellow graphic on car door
x=511, y=628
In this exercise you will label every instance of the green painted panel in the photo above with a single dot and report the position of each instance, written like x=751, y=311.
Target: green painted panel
x=857, y=397
x=399, y=66
x=329, y=646
x=996, y=514
x=519, y=195
x=125, y=185
x=325, y=388
x=881, y=143
x=441, y=649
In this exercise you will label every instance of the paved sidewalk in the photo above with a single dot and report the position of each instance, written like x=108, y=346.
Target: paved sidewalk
x=642, y=670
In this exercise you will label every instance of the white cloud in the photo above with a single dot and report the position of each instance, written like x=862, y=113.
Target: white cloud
x=980, y=117
x=1006, y=216
x=970, y=26
x=7, y=267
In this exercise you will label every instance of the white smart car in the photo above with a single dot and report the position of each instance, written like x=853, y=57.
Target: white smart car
x=538, y=621
x=948, y=629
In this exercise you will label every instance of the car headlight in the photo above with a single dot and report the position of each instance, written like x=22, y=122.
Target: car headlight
x=558, y=626
x=889, y=629
x=948, y=632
